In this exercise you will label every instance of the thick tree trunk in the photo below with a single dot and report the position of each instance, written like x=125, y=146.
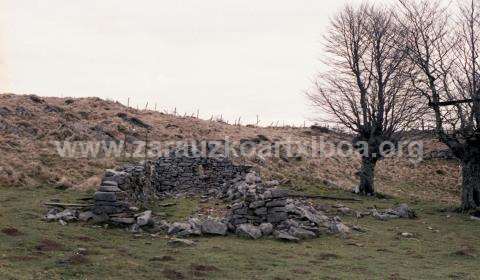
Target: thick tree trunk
x=471, y=184
x=367, y=176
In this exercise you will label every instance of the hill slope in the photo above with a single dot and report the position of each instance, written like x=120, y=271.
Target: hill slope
x=29, y=124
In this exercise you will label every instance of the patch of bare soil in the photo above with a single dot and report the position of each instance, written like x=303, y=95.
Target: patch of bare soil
x=85, y=238
x=77, y=259
x=466, y=251
x=162, y=259
x=327, y=256
x=300, y=270
x=172, y=274
x=47, y=245
x=10, y=231
x=200, y=270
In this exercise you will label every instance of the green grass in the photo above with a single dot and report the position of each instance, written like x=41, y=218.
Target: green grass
x=380, y=253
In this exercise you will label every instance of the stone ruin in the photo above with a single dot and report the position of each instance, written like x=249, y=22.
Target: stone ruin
x=256, y=208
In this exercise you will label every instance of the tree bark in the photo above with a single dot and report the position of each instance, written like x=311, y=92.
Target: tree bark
x=471, y=184
x=367, y=176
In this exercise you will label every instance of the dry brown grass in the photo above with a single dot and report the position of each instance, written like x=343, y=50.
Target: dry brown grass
x=28, y=158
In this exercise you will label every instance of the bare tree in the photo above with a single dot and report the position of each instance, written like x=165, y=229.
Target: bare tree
x=445, y=48
x=366, y=85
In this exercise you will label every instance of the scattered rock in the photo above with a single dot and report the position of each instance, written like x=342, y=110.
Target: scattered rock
x=266, y=229
x=382, y=217
x=404, y=211
x=66, y=215
x=180, y=229
x=281, y=235
x=180, y=242
x=145, y=218
x=109, y=189
x=249, y=231
x=339, y=228
x=125, y=221
x=214, y=227
x=85, y=216
x=301, y=233
x=407, y=234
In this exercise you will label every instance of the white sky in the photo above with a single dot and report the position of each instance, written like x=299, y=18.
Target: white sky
x=236, y=58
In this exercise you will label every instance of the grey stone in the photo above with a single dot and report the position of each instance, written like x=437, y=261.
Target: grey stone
x=312, y=215
x=102, y=218
x=105, y=196
x=338, y=227
x=107, y=210
x=281, y=235
x=118, y=204
x=180, y=229
x=66, y=215
x=109, y=189
x=277, y=209
x=85, y=216
x=237, y=206
x=277, y=217
x=278, y=193
x=126, y=221
x=196, y=225
x=266, y=228
x=251, y=178
x=257, y=204
x=180, y=242
x=145, y=218
x=240, y=211
x=272, y=183
x=261, y=211
x=277, y=203
x=248, y=230
x=301, y=233
x=404, y=211
x=383, y=217
x=214, y=227
x=238, y=221
x=110, y=183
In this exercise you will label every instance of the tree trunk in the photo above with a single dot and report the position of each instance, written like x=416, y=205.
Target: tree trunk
x=367, y=176
x=471, y=184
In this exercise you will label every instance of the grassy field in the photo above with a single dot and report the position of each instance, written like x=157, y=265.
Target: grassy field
x=444, y=245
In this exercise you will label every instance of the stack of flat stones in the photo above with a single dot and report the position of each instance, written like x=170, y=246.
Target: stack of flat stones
x=264, y=211
x=109, y=199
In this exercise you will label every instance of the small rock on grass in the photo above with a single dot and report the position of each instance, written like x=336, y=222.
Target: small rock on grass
x=249, y=231
x=145, y=218
x=214, y=227
x=180, y=242
x=266, y=228
x=281, y=235
x=301, y=233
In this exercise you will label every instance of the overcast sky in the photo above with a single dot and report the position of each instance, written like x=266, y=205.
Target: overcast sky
x=236, y=58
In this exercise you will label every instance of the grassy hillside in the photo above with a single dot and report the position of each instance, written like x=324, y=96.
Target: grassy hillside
x=29, y=124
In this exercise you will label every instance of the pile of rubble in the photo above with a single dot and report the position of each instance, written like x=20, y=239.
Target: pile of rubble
x=256, y=208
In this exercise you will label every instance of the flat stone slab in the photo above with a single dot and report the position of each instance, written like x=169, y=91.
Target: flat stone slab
x=105, y=188
x=105, y=196
x=109, y=183
x=214, y=227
